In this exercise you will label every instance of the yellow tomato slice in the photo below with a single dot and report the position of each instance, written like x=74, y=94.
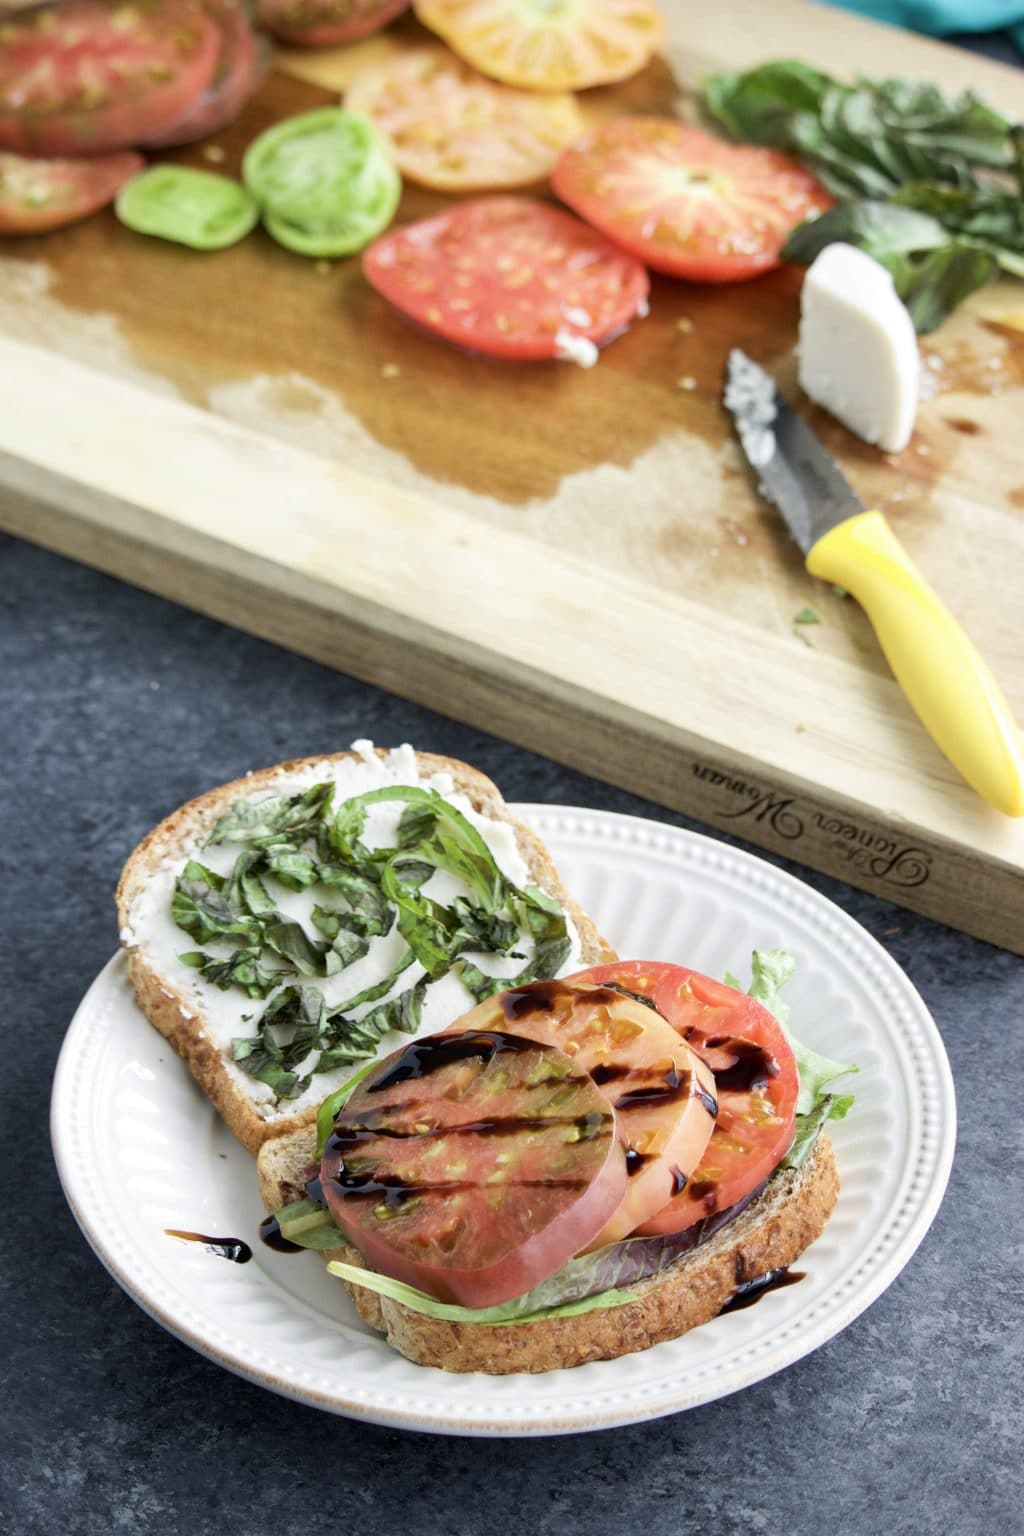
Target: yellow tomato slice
x=548, y=45
x=451, y=128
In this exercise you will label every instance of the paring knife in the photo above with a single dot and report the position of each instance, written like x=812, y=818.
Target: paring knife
x=949, y=686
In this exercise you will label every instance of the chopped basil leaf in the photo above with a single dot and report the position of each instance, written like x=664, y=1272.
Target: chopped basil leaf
x=276, y=820
x=304, y=843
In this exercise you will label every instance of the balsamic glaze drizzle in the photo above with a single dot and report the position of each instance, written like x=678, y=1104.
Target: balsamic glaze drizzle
x=751, y=1291
x=232, y=1248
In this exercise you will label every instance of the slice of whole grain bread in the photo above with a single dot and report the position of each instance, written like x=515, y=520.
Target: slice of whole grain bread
x=238, y=1099
x=772, y=1233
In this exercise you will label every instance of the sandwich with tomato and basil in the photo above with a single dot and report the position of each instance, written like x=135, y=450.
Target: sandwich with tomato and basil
x=575, y=1169
x=516, y=1151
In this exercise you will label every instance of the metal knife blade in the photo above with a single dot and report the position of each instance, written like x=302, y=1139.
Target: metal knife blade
x=794, y=472
x=944, y=678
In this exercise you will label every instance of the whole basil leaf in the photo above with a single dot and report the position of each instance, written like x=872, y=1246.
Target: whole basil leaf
x=878, y=228
x=943, y=279
x=758, y=105
x=893, y=145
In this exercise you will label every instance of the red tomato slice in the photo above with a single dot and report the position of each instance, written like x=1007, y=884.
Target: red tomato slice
x=685, y=202
x=238, y=73
x=755, y=1077
x=326, y=23
x=39, y=195
x=473, y=1165
x=662, y=1093
x=509, y=277
x=100, y=75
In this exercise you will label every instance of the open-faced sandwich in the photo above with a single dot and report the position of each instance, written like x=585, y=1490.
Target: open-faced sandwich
x=516, y=1151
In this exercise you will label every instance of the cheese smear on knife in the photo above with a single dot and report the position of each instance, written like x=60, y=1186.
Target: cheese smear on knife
x=858, y=349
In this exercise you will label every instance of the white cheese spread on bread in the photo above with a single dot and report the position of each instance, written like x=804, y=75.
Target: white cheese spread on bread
x=227, y=1014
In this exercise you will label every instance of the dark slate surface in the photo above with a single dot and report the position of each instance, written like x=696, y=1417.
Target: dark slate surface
x=117, y=706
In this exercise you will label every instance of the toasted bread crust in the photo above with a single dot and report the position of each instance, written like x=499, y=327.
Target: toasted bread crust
x=771, y=1233
x=174, y=1015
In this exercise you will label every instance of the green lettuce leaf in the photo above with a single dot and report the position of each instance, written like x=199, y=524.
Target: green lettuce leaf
x=515, y=1311
x=309, y=1225
x=771, y=970
x=328, y=1111
x=832, y=1106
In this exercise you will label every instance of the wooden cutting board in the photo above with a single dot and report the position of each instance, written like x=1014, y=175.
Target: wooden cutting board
x=573, y=559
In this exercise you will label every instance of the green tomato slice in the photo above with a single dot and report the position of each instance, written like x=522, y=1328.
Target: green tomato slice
x=353, y=228
x=196, y=208
x=325, y=180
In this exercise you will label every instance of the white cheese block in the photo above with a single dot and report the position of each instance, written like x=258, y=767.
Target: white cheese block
x=858, y=350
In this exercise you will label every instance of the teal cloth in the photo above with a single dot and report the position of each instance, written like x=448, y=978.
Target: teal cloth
x=940, y=17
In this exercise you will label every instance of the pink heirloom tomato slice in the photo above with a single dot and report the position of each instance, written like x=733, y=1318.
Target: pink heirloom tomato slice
x=473, y=1165
x=686, y=203
x=662, y=1093
x=453, y=129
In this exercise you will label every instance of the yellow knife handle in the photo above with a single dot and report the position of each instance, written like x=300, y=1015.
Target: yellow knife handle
x=952, y=690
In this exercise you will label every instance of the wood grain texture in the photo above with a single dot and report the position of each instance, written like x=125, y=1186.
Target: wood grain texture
x=576, y=560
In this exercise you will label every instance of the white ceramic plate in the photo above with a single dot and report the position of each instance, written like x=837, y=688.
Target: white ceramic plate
x=140, y=1149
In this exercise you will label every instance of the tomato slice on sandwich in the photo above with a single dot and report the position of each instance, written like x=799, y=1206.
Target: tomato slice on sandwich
x=101, y=75
x=756, y=1082
x=473, y=1164
x=662, y=1092
x=510, y=277
x=684, y=202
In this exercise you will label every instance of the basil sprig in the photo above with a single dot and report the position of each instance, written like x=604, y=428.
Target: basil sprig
x=929, y=184
x=301, y=842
